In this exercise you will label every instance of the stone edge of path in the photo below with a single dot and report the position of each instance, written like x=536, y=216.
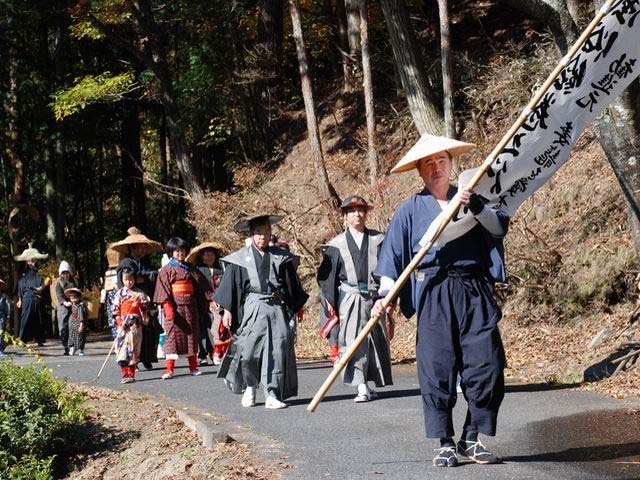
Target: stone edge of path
x=213, y=429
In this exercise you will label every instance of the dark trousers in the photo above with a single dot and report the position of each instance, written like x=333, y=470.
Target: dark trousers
x=458, y=333
x=62, y=315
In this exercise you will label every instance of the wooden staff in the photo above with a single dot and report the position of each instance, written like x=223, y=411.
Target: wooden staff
x=454, y=206
x=113, y=345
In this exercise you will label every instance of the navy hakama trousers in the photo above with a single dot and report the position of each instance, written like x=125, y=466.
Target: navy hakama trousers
x=458, y=333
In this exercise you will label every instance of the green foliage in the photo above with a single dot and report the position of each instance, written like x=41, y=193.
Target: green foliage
x=88, y=14
x=92, y=89
x=36, y=414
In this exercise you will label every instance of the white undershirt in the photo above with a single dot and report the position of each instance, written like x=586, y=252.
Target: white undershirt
x=357, y=236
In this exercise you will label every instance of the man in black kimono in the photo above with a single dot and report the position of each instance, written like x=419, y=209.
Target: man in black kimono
x=31, y=288
x=348, y=288
x=259, y=286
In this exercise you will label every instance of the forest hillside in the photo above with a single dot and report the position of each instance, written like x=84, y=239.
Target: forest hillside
x=574, y=279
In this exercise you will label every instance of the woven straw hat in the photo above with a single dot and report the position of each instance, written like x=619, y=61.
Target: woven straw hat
x=136, y=237
x=244, y=224
x=428, y=145
x=30, y=254
x=195, y=251
x=73, y=291
x=114, y=257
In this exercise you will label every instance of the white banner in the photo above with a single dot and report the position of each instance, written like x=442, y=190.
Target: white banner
x=599, y=71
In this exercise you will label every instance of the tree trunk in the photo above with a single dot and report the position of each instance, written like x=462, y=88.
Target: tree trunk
x=447, y=69
x=150, y=51
x=270, y=34
x=270, y=20
x=352, y=10
x=132, y=166
x=618, y=130
x=15, y=160
x=555, y=15
x=241, y=94
x=367, y=83
x=422, y=104
x=343, y=47
x=327, y=192
x=190, y=178
x=13, y=137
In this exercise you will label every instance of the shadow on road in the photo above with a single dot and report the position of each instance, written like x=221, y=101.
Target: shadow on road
x=605, y=443
x=595, y=453
x=382, y=395
x=539, y=387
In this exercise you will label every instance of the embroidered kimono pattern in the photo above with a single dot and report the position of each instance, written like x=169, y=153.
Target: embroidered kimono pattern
x=130, y=306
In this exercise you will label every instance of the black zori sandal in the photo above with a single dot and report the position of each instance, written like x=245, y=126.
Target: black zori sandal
x=477, y=452
x=445, y=457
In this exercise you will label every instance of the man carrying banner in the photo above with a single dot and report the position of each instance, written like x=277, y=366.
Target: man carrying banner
x=451, y=292
x=348, y=288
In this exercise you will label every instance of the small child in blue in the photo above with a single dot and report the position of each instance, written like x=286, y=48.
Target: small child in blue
x=5, y=315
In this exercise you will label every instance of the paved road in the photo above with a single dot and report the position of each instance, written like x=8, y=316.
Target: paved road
x=544, y=433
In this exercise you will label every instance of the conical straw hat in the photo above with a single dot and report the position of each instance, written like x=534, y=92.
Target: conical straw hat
x=114, y=257
x=136, y=237
x=195, y=251
x=30, y=254
x=71, y=290
x=428, y=145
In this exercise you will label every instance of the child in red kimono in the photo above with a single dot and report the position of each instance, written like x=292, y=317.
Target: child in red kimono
x=183, y=292
x=130, y=306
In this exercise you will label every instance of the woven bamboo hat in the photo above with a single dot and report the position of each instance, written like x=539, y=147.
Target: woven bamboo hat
x=30, y=254
x=73, y=291
x=195, y=251
x=428, y=145
x=136, y=237
x=245, y=224
x=114, y=257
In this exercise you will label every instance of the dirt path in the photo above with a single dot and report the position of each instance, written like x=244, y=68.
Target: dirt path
x=130, y=436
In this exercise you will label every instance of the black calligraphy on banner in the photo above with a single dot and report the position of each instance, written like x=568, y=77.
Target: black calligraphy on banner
x=618, y=69
x=600, y=40
x=516, y=143
x=545, y=160
x=626, y=10
x=498, y=167
x=540, y=113
x=571, y=76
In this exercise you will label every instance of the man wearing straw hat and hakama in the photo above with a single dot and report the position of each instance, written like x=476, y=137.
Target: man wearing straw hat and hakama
x=452, y=293
x=258, y=286
x=348, y=286
x=135, y=247
x=31, y=286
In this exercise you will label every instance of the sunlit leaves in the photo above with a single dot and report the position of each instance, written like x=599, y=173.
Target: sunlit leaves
x=92, y=89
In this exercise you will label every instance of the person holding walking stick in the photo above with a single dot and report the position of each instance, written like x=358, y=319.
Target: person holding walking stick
x=452, y=293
